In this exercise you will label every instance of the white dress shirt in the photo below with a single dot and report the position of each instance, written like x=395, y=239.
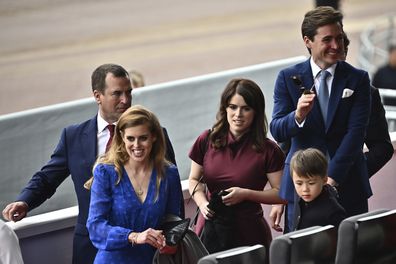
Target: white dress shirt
x=316, y=76
x=103, y=134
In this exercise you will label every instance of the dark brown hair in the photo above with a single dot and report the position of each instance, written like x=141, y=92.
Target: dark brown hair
x=318, y=17
x=309, y=163
x=98, y=78
x=254, y=98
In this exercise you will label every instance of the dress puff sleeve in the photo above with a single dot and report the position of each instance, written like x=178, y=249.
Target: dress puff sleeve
x=199, y=148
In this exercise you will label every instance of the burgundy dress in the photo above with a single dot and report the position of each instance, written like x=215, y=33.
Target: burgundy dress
x=239, y=165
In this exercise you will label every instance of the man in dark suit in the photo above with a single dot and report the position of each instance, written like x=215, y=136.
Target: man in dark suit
x=338, y=131
x=76, y=153
x=377, y=140
x=385, y=76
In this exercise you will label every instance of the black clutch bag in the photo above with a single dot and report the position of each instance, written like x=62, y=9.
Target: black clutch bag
x=216, y=203
x=174, y=229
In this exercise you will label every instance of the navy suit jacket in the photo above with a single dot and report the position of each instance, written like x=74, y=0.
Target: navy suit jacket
x=341, y=136
x=74, y=155
x=377, y=138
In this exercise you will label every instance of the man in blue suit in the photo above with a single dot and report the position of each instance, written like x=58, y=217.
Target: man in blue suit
x=76, y=153
x=339, y=130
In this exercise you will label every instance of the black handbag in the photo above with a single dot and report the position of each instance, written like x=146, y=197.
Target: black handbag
x=174, y=229
x=218, y=232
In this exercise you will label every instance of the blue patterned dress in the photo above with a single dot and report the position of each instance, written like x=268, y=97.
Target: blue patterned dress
x=115, y=211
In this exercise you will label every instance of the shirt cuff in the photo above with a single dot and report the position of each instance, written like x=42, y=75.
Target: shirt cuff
x=300, y=125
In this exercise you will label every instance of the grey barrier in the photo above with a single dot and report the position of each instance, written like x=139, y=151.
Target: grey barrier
x=27, y=139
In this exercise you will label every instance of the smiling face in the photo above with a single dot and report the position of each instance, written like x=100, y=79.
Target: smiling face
x=308, y=188
x=239, y=115
x=138, y=142
x=327, y=45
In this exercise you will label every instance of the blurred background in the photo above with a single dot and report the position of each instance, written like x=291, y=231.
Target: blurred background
x=49, y=48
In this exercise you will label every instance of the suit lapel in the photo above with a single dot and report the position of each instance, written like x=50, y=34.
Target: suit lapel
x=89, y=142
x=339, y=83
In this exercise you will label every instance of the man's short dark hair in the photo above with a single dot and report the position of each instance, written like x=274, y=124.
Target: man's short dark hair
x=318, y=17
x=98, y=78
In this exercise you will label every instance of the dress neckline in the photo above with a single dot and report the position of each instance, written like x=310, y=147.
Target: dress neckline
x=149, y=192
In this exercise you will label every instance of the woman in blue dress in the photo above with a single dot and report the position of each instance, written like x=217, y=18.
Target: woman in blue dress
x=133, y=188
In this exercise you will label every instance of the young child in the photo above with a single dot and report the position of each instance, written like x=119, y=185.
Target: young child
x=316, y=202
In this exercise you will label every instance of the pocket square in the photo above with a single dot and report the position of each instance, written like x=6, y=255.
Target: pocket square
x=347, y=93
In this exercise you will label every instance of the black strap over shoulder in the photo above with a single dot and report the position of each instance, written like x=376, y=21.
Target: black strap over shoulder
x=204, y=144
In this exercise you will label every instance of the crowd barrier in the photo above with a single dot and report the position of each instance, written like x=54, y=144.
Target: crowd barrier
x=388, y=98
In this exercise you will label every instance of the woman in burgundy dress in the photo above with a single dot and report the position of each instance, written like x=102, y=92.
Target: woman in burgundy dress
x=236, y=156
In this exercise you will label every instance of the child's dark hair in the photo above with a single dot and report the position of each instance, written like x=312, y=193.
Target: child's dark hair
x=309, y=163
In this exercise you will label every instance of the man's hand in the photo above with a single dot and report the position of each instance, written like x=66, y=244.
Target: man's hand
x=333, y=184
x=331, y=181
x=304, y=106
x=15, y=211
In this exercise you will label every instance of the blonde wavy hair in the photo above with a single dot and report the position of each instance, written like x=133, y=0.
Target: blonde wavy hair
x=118, y=156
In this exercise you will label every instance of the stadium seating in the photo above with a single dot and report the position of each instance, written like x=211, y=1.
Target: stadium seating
x=239, y=255
x=368, y=238
x=314, y=245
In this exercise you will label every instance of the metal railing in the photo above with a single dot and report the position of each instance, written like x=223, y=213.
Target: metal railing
x=375, y=41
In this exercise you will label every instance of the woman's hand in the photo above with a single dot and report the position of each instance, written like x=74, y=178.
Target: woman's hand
x=235, y=196
x=150, y=236
x=205, y=211
x=275, y=216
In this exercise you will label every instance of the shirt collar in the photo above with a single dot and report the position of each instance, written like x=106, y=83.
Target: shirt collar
x=315, y=68
x=102, y=124
x=232, y=141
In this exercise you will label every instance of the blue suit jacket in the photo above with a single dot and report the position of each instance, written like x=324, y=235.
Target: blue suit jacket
x=342, y=136
x=74, y=155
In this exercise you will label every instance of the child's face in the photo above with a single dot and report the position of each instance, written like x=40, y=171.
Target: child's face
x=308, y=188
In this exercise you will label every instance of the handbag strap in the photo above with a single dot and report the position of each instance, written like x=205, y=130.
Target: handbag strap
x=204, y=147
